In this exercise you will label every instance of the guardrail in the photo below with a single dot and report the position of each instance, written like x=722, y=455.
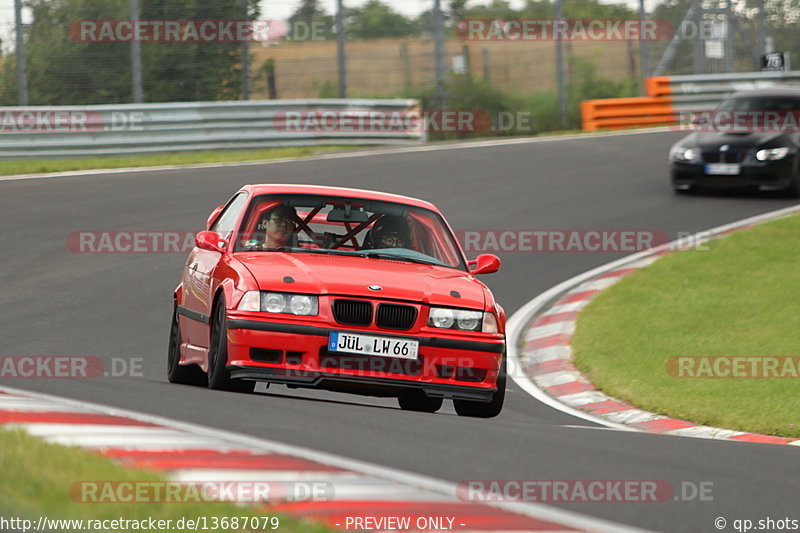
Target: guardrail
x=128, y=129
x=667, y=96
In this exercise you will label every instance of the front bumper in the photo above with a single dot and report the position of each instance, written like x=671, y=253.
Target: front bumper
x=773, y=175
x=296, y=354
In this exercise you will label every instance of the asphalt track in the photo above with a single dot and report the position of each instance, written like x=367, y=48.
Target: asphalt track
x=56, y=302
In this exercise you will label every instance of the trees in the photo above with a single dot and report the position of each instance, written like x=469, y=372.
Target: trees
x=63, y=71
x=310, y=16
x=375, y=20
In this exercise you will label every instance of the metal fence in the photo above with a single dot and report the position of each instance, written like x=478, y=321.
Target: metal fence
x=704, y=91
x=128, y=129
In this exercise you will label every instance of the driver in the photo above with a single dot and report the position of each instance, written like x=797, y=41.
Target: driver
x=279, y=226
x=390, y=232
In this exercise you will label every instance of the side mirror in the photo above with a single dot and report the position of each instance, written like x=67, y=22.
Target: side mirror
x=484, y=264
x=209, y=240
x=213, y=217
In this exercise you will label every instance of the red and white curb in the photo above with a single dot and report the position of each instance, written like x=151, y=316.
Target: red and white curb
x=540, y=353
x=187, y=452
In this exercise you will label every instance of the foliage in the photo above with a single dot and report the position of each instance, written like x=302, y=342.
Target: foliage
x=64, y=71
x=524, y=113
x=375, y=19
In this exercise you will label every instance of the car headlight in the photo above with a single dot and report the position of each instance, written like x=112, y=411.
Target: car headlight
x=441, y=317
x=772, y=154
x=461, y=319
x=684, y=153
x=279, y=302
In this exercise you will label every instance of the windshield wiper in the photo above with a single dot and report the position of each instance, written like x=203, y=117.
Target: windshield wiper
x=395, y=257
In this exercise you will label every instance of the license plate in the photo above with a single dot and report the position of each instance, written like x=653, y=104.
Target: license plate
x=371, y=345
x=724, y=169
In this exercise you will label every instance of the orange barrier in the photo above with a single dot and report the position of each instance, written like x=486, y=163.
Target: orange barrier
x=658, y=86
x=618, y=113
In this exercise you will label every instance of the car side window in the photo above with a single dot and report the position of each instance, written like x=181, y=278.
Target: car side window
x=227, y=219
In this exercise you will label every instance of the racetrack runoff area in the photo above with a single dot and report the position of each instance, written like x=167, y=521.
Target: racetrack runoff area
x=708, y=334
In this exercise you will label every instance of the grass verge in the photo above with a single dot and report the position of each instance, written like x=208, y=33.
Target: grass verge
x=39, y=166
x=737, y=299
x=37, y=478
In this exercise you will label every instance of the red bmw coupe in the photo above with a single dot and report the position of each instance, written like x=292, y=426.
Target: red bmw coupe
x=339, y=289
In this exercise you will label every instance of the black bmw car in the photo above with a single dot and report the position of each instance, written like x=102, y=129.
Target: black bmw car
x=750, y=140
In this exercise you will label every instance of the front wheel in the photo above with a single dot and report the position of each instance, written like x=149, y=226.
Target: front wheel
x=416, y=400
x=177, y=373
x=490, y=409
x=218, y=376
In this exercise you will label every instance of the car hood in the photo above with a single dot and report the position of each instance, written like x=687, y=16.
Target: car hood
x=713, y=140
x=351, y=276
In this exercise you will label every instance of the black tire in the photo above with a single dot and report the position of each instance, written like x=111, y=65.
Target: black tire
x=218, y=376
x=490, y=409
x=416, y=400
x=186, y=374
x=683, y=192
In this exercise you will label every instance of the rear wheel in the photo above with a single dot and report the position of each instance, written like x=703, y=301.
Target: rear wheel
x=416, y=400
x=218, y=376
x=490, y=409
x=177, y=373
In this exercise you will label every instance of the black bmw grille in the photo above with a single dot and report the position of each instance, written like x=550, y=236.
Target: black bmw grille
x=394, y=316
x=731, y=156
x=352, y=312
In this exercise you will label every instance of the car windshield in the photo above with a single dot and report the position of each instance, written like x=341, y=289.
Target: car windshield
x=761, y=103
x=347, y=226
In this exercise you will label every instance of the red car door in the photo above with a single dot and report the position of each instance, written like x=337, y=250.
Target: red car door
x=198, y=278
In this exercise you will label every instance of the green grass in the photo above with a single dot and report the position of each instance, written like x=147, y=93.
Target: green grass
x=37, y=477
x=43, y=166
x=740, y=298
x=38, y=166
